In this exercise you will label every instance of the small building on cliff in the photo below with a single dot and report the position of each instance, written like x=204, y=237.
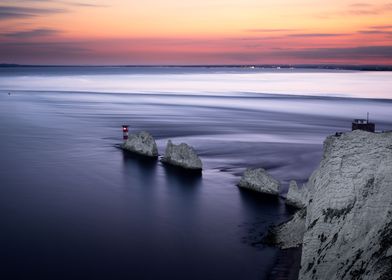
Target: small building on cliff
x=362, y=124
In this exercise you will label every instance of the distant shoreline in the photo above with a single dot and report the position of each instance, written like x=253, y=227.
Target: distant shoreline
x=256, y=66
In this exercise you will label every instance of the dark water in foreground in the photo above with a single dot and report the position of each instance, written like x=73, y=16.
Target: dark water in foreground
x=72, y=206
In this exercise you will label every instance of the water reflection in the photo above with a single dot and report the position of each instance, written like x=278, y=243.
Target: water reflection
x=260, y=210
x=185, y=179
x=133, y=160
x=256, y=204
x=139, y=168
x=183, y=191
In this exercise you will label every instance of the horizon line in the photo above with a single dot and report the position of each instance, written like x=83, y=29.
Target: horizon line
x=201, y=65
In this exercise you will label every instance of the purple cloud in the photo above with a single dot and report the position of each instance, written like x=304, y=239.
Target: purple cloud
x=381, y=27
x=11, y=12
x=268, y=30
x=317, y=35
x=40, y=32
x=354, y=53
x=375, y=32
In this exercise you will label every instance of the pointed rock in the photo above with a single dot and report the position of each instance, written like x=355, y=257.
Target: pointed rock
x=296, y=197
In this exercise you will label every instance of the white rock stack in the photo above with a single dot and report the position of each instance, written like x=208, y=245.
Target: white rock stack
x=141, y=143
x=296, y=197
x=182, y=155
x=259, y=180
x=348, y=227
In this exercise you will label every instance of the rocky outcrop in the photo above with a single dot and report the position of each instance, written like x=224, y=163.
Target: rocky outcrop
x=259, y=180
x=141, y=143
x=349, y=214
x=289, y=234
x=183, y=156
x=349, y=217
x=296, y=197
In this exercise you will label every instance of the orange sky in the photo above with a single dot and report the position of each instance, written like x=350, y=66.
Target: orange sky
x=195, y=32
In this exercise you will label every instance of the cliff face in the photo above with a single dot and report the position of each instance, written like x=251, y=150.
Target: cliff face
x=348, y=227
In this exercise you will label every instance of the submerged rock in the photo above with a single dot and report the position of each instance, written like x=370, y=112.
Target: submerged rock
x=182, y=155
x=141, y=143
x=259, y=180
x=349, y=213
x=296, y=197
x=289, y=234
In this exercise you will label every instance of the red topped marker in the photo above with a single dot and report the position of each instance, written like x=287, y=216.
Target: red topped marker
x=125, y=132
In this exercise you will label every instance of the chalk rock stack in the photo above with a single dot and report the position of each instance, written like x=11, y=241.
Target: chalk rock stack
x=141, y=143
x=296, y=197
x=259, y=180
x=183, y=156
x=348, y=226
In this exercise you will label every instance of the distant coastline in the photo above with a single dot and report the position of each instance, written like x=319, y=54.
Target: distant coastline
x=258, y=66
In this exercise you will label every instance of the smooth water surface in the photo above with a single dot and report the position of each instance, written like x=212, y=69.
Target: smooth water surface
x=73, y=206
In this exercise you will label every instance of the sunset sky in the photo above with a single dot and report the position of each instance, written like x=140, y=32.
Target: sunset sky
x=118, y=32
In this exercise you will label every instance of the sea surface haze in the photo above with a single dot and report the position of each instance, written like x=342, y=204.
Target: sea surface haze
x=73, y=206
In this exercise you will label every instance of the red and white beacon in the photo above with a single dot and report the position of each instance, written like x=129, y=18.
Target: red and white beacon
x=125, y=132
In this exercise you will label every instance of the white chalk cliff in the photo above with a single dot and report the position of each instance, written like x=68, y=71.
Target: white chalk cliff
x=296, y=197
x=182, y=155
x=348, y=227
x=141, y=143
x=259, y=180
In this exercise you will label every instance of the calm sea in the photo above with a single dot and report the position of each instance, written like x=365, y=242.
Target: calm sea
x=73, y=206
